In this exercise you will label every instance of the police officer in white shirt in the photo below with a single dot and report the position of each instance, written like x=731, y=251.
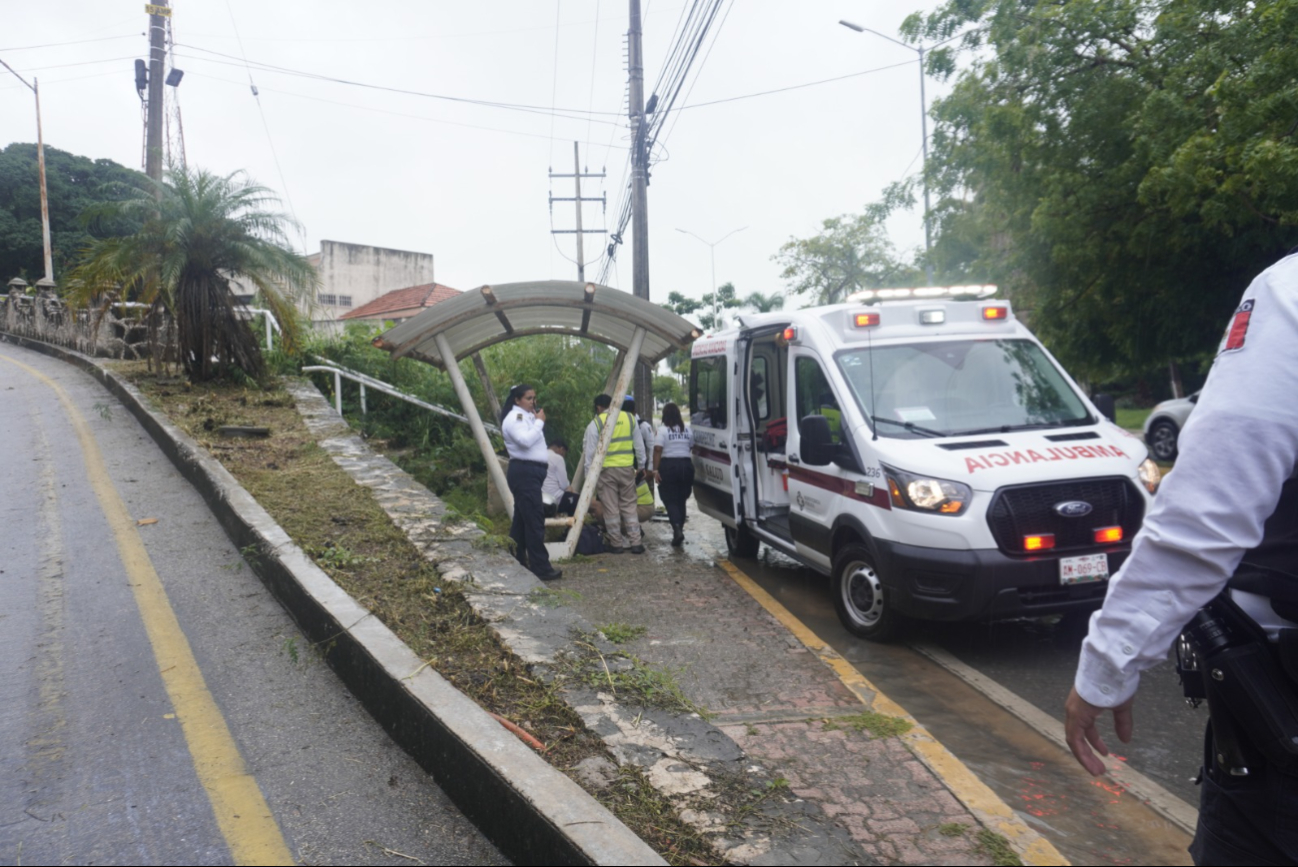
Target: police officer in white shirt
x=523, y=427
x=1225, y=520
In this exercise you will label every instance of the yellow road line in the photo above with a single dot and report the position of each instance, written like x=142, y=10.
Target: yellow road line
x=985, y=804
x=244, y=818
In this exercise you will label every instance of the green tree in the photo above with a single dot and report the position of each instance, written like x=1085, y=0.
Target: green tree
x=851, y=253
x=704, y=308
x=765, y=303
x=73, y=184
x=204, y=230
x=1121, y=167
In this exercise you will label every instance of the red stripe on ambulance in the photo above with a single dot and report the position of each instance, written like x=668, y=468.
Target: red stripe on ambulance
x=994, y=460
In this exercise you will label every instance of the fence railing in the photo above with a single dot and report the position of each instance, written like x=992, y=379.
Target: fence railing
x=366, y=381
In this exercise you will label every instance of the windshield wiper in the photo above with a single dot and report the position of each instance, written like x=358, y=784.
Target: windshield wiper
x=910, y=426
x=1006, y=428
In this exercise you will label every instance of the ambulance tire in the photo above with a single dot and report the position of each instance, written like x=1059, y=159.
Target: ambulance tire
x=740, y=542
x=860, y=598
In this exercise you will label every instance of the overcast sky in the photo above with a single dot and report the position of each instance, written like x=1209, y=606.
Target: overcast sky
x=468, y=183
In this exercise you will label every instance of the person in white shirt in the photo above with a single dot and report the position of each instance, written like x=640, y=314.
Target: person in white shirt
x=675, y=468
x=523, y=427
x=556, y=490
x=1225, y=520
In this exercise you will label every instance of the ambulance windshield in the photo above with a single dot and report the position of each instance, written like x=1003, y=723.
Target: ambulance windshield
x=955, y=387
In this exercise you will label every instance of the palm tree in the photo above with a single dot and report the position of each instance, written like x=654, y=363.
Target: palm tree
x=201, y=230
x=765, y=303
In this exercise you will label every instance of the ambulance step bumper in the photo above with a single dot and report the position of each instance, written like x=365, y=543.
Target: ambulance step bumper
x=944, y=584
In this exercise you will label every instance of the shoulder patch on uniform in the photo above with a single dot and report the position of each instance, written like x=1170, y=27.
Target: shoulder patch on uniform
x=1238, y=327
x=519, y=417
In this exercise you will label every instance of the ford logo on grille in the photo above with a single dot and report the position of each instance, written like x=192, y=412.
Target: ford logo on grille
x=1073, y=509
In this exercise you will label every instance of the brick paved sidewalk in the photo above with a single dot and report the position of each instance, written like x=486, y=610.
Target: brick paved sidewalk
x=776, y=699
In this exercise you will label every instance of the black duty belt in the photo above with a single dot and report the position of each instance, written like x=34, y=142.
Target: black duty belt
x=1250, y=683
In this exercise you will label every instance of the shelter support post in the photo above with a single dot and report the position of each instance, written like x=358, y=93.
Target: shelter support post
x=608, y=389
x=338, y=392
x=475, y=421
x=492, y=400
x=606, y=437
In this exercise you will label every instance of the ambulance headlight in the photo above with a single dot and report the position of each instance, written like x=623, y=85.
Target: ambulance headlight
x=924, y=494
x=1150, y=475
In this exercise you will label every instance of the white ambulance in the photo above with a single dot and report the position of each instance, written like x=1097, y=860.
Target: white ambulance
x=930, y=457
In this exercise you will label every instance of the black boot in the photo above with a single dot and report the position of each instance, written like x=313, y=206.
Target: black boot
x=678, y=535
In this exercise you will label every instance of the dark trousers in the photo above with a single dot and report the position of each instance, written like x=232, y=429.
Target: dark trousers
x=1245, y=820
x=677, y=484
x=528, y=530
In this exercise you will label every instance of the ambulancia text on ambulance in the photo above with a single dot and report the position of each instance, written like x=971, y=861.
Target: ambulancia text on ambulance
x=929, y=456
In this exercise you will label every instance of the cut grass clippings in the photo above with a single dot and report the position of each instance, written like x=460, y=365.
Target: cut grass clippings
x=997, y=848
x=877, y=724
x=345, y=531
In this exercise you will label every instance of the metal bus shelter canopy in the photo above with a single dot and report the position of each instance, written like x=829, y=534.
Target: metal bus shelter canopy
x=493, y=314
x=462, y=326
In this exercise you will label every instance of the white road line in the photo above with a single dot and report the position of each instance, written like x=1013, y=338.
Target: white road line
x=1163, y=802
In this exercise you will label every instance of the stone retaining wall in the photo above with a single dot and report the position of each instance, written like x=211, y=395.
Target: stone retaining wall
x=113, y=331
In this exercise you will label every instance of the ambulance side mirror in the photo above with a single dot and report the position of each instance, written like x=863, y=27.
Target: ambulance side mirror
x=817, y=444
x=1104, y=403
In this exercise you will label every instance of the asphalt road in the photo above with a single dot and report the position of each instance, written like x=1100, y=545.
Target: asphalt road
x=109, y=751
x=1091, y=821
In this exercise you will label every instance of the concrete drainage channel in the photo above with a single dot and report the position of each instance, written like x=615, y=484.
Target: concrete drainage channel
x=529, y=809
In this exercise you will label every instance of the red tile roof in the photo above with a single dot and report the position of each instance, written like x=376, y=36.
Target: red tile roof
x=402, y=303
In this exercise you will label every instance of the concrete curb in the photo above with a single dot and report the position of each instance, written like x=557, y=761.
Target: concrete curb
x=532, y=812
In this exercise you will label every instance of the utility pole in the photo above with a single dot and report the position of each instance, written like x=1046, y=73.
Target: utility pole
x=35, y=88
x=577, y=175
x=157, y=61
x=639, y=195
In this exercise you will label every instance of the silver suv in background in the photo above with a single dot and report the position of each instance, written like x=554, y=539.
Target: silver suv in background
x=1163, y=427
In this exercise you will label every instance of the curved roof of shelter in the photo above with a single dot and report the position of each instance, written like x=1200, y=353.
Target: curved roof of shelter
x=492, y=314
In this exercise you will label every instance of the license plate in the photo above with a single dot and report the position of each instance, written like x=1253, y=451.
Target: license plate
x=1083, y=570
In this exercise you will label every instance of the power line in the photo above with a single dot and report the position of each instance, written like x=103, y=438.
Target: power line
x=74, y=42
x=371, y=108
x=79, y=63
x=267, y=67
x=554, y=86
x=798, y=86
x=266, y=126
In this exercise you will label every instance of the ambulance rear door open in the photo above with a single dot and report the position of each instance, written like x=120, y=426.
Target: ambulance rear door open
x=713, y=411
x=763, y=438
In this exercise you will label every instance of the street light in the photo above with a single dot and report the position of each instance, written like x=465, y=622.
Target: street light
x=923, y=121
x=716, y=296
x=34, y=87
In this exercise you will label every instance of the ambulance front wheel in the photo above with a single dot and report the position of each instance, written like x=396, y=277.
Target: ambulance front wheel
x=740, y=542
x=860, y=598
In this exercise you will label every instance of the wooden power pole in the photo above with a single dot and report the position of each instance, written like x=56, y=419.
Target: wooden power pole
x=577, y=175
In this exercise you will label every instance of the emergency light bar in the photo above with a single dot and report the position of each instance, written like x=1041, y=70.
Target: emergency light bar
x=983, y=291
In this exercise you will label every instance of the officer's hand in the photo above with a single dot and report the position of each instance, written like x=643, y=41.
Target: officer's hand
x=1081, y=733
x=540, y=415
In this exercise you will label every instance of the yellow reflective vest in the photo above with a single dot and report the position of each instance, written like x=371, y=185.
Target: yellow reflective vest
x=621, y=453
x=644, y=496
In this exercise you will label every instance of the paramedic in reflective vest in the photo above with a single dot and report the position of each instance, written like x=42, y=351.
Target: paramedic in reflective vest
x=617, y=483
x=1227, y=519
x=523, y=427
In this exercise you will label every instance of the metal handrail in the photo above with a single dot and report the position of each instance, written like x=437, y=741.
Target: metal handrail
x=365, y=381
